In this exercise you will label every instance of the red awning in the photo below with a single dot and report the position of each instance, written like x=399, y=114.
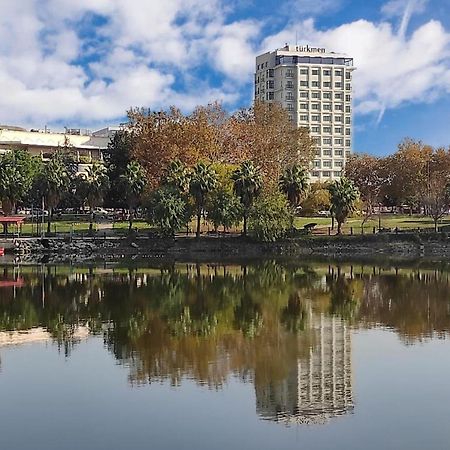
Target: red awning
x=11, y=283
x=18, y=220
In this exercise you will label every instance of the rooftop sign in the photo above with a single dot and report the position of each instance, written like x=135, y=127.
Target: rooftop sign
x=308, y=49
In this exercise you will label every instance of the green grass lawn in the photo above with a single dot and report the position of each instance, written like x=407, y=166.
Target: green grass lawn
x=391, y=221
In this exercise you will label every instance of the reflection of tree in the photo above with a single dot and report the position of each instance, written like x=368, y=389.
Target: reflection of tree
x=343, y=296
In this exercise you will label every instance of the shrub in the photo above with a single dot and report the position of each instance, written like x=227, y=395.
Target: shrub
x=270, y=217
x=224, y=209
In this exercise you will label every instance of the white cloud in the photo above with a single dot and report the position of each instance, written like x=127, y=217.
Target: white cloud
x=391, y=70
x=156, y=53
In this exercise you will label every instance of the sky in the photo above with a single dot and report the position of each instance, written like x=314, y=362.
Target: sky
x=83, y=63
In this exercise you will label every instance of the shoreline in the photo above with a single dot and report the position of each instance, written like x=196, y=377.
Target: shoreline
x=383, y=246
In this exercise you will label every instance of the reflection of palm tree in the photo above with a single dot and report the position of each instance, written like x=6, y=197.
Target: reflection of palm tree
x=294, y=315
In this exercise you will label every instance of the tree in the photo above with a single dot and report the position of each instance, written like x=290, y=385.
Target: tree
x=247, y=183
x=224, y=209
x=266, y=135
x=133, y=182
x=17, y=172
x=52, y=183
x=294, y=183
x=96, y=185
x=270, y=217
x=343, y=195
x=167, y=209
x=318, y=199
x=177, y=175
x=368, y=174
x=437, y=198
x=117, y=156
x=203, y=181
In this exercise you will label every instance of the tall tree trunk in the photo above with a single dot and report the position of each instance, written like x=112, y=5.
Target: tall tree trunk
x=339, y=226
x=49, y=219
x=91, y=223
x=199, y=217
x=245, y=223
x=130, y=219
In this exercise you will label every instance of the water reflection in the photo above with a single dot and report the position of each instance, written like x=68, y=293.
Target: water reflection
x=285, y=328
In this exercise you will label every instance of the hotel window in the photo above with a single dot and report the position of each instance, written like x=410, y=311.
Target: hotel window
x=338, y=130
x=326, y=164
x=289, y=73
x=338, y=107
x=338, y=73
x=314, y=84
x=303, y=117
x=315, y=118
x=338, y=118
x=315, y=129
x=347, y=154
x=270, y=96
x=327, y=107
x=270, y=84
x=303, y=105
x=303, y=94
x=289, y=96
x=348, y=76
x=337, y=173
x=338, y=96
x=303, y=71
x=315, y=71
x=271, y=73
x=348, y=143
x=316, y=164
x=316, y=140
x=348, y=109
x=348, y=86
x=315, y=94
x=327, y=95
x=290, y=107
x=326, y=173
x=348, y=98
x=315, y=174
x=315, y=106
x=348, y=132
x=327, y=118
x=304, y=83
x=327, y=141
x=327, y=72
x=327, y=153
x=348, y=121
x=289, y=85
x=327, y=129
x=317, y=152
x=326, y=84
x=338, y=141
x=338, y=84
x=338, y=163
x=339, y=152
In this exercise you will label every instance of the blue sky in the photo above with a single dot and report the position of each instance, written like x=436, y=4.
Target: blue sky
x=85, y=63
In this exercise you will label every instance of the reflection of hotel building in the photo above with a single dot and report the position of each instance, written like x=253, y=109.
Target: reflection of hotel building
x=315, y=87
x=316, y=389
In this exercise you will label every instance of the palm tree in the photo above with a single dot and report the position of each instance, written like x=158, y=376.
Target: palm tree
x=203, y=180
x=177, y=175
x=247, y=183
x=133, y=182
x=294, y=183
x=343, y=195
x=53, y=182
x=96, y=185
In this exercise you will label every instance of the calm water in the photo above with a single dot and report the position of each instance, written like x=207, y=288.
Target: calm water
x=266, y=356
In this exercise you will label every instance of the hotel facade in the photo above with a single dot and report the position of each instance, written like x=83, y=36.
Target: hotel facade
x=315, y=87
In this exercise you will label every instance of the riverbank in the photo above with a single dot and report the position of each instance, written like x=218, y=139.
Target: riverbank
x=403, y=246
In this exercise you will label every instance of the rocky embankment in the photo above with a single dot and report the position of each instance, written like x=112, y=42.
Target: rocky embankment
x=434, y=246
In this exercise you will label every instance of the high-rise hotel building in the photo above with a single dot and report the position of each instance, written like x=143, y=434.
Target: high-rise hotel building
x=315, y=87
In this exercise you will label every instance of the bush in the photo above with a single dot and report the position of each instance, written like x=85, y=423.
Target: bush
x=224, y=209
x=168, y=210
x=271, y=217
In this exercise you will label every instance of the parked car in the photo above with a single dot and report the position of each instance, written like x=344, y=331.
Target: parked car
x=323, y=213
